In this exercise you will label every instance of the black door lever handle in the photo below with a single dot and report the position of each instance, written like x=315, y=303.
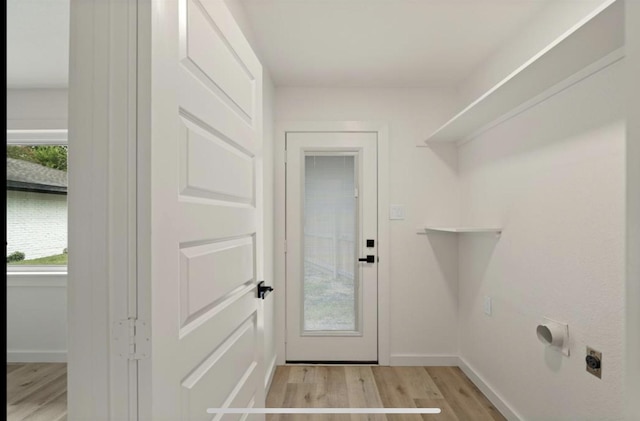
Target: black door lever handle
x=369, y=259
x=263, y=289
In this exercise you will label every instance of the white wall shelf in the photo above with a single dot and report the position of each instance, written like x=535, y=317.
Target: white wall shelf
x=592, y=44
x=462, y=230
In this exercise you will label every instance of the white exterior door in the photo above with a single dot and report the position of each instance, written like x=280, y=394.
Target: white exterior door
x=199, y=212
x=331, y=224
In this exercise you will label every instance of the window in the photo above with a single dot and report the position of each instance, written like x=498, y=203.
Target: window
x=36, y=200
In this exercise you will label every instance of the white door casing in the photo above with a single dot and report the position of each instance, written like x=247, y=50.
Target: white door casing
x=199, y=211
x=382, y=130
x=352, y=343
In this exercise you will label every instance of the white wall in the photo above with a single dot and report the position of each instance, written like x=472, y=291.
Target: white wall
x=553, y=177
x=36, y=223
x=37, y=108
x=36, y=318
x=423, y=270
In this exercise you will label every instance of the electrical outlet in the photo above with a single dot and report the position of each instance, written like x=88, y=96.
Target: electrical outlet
x=487, y=306
x=594, y=362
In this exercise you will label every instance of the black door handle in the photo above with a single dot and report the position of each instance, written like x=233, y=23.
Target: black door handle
x=369, y=259
x=263, y=289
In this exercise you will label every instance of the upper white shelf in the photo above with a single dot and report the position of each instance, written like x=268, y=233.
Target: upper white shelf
x=593, y=43
x=464, y=229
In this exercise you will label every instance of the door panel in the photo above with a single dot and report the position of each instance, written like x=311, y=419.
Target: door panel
x=206, y=127
x=211, y=272
x=212, y=168
x=331, y=188
x=208, y=49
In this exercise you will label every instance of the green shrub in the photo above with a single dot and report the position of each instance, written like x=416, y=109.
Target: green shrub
x=16, y=256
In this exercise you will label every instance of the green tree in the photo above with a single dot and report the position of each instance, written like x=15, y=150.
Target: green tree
x=48, y=156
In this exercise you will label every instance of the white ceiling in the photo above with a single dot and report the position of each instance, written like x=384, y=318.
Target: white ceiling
x=390, y=43
x=37, y=43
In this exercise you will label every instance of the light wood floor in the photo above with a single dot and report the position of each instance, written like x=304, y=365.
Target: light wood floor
x=37, y=392
x=378, y=387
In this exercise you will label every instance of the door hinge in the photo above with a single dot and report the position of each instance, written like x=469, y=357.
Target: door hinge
x=132, y=339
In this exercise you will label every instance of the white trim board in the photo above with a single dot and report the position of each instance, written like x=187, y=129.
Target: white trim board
x=37, y=137
x=36, y=281
x=102, y=203
x=488, y=391
x=269, y=373
x=418, y=360
x=382, y=128
x=36, y=356
x=423, y=360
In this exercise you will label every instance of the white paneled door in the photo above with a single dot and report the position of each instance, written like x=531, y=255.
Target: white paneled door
x=331, y=253
x=204, y=233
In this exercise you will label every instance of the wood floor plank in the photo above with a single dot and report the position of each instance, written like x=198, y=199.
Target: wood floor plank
x=417, y=382
x=299, y=395
x=276, y=394
x=37, y=391
x=447, y=413
x=457, y=393
x=363, y=393
x=332, y=391
x=27, y=379
x=13, y=366
x=41, y=397
x=393, y=393
x=54, y=410
x=446, y=388
x=480, y=397
x=302, y=374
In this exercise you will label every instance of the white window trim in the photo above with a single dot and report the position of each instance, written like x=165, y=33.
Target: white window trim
x=37, y=137
x=34, y=138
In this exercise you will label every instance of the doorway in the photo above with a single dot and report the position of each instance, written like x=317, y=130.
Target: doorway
x=332, y=238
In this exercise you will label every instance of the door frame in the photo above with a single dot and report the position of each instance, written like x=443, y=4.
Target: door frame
x=102, y=206
x=382, y=130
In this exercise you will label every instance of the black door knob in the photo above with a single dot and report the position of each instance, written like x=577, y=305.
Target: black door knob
x=369, y=259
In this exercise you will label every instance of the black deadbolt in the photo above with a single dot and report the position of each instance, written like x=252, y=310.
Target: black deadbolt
x=371, y=243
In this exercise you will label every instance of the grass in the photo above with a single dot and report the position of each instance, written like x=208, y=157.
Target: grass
x=328, y=301
x=58, y=259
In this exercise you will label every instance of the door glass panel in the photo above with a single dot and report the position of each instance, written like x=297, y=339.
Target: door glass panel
x=330, y=241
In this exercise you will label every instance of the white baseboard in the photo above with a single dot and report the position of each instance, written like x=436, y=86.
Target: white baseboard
x=423, y=360
x=36, y=356
x=454, y=360
x=269, y=372
x=493, y=397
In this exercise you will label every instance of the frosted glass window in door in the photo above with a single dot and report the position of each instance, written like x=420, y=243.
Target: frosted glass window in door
x=330, y=240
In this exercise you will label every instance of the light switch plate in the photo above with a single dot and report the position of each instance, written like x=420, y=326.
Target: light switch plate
x=396, y=212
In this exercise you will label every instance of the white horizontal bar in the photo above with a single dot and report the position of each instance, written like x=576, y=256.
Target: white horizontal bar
x=323, y=410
